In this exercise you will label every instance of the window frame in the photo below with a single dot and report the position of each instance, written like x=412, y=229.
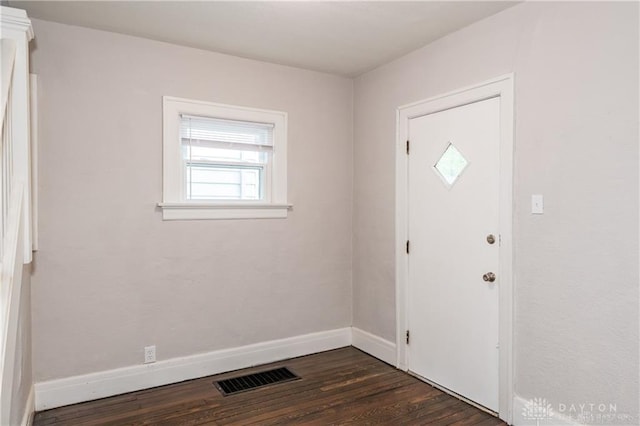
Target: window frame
x=174, y=204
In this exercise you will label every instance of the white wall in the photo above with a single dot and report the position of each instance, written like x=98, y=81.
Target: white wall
x=576, y=267
x=110, y=275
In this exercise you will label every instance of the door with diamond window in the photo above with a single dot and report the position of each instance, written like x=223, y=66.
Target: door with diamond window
x=453, y=228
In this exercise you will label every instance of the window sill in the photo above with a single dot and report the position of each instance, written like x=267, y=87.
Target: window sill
x=200, y=211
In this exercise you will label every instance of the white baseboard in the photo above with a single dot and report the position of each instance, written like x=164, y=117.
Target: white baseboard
x=374, y=346
x=71, y=390
x=520, y=417
x=29, y=409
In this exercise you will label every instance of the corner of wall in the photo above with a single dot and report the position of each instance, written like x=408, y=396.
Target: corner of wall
x=374, y=345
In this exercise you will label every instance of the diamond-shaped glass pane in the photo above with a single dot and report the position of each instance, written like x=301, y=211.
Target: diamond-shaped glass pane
x=451, y=164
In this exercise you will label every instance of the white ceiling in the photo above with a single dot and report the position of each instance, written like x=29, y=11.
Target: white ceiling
x=346, y=38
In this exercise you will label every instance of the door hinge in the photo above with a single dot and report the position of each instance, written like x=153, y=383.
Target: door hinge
x=407, y=246
x=407, y=147
x=407, y=336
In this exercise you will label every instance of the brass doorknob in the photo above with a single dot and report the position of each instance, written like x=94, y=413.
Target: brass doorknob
x=489, y=277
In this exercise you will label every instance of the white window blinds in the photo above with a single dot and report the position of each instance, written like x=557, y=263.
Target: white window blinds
x=226, y=134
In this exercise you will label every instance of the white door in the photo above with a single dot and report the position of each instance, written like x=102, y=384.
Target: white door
x=453, y=215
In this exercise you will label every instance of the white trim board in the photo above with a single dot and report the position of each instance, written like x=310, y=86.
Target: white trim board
x=71, y=390
x=502, y=87
x=33, y=105
x=375, y=346
x=29, y=408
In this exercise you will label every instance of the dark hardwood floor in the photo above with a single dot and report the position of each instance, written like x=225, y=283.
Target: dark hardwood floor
x=343, y=386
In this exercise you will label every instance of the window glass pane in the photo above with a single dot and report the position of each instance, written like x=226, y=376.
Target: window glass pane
x=211, y=182
x=211, y=175
x=451, y=164
x=218, y=191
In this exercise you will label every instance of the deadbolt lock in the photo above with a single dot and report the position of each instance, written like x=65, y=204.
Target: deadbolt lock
x=491, y=239
x=489, y=277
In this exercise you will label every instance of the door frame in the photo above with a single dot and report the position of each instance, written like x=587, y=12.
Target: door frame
x=502, y=87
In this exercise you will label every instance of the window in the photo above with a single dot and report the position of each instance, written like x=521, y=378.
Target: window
x=223, y=161
x=450, y=165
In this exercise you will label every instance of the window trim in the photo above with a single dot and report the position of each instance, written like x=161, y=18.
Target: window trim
x=174, y=204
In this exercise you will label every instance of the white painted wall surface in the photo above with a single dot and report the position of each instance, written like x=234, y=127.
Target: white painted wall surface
x=111, y=277
x=576, y=142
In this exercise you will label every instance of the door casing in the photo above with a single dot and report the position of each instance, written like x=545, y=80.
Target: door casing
x=502, y=87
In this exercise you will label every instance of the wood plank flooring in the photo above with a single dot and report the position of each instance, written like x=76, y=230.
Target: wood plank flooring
x=343, y=386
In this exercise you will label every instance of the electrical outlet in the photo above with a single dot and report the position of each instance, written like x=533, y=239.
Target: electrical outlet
x=149, y=354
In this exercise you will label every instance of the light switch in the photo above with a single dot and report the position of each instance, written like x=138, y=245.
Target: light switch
x=537, y=204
